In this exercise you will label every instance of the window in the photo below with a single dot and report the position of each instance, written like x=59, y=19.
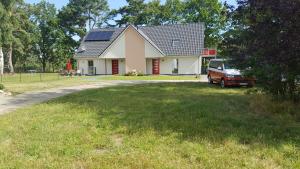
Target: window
x=175, y=66
x=91, y=68
x=175, y=42
x=219, y=64
x=228, y=65
x=212, y=64
x=91, y=63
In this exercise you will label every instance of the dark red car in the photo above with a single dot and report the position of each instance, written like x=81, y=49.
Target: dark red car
x=220, y=71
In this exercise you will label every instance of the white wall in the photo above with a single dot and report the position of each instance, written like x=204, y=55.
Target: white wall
x=150, y=51
x=166, y=65
x=188, y=65
x=98, y=63
x=100, y=66
x=82, y=65
x=117, y=49
x=149, y=66
x=108, y=67
x=122, y=67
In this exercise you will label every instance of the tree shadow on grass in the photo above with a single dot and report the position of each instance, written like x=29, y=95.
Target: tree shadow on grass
x=191, y=110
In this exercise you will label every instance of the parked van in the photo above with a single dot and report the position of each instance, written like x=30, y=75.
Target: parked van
x=221, y=71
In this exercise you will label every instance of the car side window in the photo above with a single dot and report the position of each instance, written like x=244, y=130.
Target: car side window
x=216, y=64
x=212, y=64
x=219, y=64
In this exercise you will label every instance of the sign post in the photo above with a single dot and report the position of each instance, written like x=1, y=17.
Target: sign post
x=206, y=55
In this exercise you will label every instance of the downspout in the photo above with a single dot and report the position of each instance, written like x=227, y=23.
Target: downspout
x=105, y=66
x=199, y=65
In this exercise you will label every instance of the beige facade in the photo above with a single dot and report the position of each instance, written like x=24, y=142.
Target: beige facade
x=135, y=51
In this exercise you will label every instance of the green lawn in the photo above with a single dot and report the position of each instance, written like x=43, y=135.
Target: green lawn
x=180, y=125
x=160, y=77
x=29, y=82
x=20, y=83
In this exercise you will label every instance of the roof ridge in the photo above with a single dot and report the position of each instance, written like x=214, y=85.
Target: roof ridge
x=111, y=28
x=171, y=25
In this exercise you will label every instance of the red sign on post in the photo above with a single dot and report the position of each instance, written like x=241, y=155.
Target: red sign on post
x=205, y=52
x=213, y=52
x=209, y=52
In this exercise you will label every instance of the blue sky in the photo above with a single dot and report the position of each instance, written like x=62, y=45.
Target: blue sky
x=113, y=4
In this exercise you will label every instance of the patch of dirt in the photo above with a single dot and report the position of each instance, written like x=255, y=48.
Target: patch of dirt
x=101, y=151
x=117, y=139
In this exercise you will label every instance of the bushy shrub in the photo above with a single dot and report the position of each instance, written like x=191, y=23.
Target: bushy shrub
x=265, y=105
x=131, y=73
x=1, y=86
x=134, y=73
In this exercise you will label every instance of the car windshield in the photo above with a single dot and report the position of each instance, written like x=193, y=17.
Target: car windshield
x=228, y=66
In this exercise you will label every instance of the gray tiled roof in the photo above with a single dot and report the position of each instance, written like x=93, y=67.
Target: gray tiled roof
x=96, y=48
x=191, y=37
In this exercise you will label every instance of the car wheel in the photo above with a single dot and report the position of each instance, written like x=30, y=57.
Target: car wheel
x=223, y=83
x=210, y=80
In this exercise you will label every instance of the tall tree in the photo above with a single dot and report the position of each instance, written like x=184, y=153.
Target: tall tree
x=173, y=12
x=2, y=19
x=78, y=15
x=133, y=13
x=268, y=41
x=24, y=50
x=212, y=13
x=153, y=13
x=10, y=7
x=13, y=27
x=50, y=37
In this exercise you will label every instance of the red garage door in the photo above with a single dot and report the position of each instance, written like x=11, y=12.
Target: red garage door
x=115, y=67
x=155, y=66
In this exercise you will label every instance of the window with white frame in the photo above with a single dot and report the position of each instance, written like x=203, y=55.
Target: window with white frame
x=175, y=66
x=176, y=42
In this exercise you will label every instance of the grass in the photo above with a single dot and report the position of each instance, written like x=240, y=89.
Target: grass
x=178, y=125
x=30, y=82
x=20, y=83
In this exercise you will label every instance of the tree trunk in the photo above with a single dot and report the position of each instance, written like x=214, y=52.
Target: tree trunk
x=10, y=61
x=44, y=65
x=53, y=68
x=1, y=61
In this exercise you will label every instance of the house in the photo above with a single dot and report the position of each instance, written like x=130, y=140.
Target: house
x=167, y=49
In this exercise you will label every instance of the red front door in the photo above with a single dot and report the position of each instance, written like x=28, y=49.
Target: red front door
x=155, y=66
x=115, y=67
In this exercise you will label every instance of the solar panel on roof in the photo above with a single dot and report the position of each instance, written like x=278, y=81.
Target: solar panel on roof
x=99, y=36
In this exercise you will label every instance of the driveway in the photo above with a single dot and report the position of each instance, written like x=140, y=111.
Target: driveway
x=11, y=103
